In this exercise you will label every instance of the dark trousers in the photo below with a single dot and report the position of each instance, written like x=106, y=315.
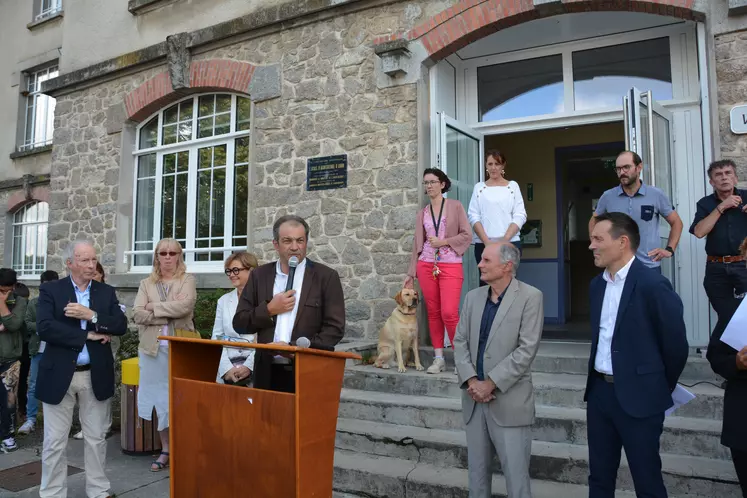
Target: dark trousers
x=480, y=247
x=739, y=457
x=610, y=430
x=722, y=281
x=8, y=395
x=283, y=378
x=23, y=380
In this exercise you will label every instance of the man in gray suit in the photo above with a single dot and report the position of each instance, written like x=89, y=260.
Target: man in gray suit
x=496, y=341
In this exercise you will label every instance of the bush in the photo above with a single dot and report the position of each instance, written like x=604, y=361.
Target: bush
x=205, y=310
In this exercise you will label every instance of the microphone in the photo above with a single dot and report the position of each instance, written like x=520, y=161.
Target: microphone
x=292, y=264
x=305, y=343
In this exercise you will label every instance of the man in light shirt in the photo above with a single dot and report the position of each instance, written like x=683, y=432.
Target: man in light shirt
x=638, y=351
x=314, y=308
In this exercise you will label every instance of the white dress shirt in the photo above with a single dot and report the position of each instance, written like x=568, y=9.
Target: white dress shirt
x=610, y=304
x=224, y=312
x=83, y=297
x=284, y=322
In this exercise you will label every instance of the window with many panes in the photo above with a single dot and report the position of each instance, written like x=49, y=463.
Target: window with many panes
x=39, y=117
x=47, y=8
x=192, y=180
x=30, y=239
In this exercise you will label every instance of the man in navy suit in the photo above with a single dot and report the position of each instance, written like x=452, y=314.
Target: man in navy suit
x=76, y=317
x=638, y=351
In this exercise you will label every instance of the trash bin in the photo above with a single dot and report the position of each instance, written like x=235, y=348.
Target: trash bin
x=138, y=435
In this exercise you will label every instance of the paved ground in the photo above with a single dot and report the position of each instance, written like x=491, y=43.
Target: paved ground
x=130, y=475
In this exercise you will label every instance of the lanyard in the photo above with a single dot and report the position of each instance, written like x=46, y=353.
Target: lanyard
x=440, y=212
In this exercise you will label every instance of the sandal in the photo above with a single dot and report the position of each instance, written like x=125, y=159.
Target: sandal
x=157, y=466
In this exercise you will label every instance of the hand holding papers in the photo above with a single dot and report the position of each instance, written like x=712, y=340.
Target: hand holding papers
x=735, y=334
x=680, y=396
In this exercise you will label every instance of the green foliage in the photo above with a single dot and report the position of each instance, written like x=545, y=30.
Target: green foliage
x=204, y=319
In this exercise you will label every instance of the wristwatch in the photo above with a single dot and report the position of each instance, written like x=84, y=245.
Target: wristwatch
x=668, y=249
x=95, y=318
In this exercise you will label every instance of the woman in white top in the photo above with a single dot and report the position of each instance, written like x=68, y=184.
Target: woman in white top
x=236, y=365
x=496, y=210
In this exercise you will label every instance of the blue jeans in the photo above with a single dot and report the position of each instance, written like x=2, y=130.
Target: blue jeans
x=32, y=405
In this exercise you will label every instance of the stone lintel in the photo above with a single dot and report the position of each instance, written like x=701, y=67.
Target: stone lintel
x=116, y=115
x=266, y=83
x=179, y=58
x=737, y=7
x=391, y=46
x=20, y=183
x=269, y=16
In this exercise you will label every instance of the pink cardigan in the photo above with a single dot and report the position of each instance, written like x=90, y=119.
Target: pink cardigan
x=458, y=235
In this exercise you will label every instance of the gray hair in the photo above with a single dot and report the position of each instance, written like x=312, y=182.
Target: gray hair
x=510, y=254
x=69, y=253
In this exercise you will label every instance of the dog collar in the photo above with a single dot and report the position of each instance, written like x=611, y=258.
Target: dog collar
x=408, y=314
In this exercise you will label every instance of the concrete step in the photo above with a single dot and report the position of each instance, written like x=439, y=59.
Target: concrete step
x=556, y=462
x=565, y=390
x=573, y=358
x=370, y=476
x=682, y=435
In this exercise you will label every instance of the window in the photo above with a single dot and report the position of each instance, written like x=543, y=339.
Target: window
x=30, y=239
x=520, y=89
x=39, y=110
x=192, y=180
x=602, y=75
x=48, y=8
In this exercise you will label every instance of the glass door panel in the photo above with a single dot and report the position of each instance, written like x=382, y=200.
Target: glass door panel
x=460, y=157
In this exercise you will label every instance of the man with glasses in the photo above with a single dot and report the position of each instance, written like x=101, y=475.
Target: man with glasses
x=645, y=204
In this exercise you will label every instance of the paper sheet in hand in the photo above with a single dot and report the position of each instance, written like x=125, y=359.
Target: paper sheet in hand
x=680, y=396
x=735, y=334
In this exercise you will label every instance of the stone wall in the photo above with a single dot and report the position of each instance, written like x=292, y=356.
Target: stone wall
x=330, y=104
x=731, y=74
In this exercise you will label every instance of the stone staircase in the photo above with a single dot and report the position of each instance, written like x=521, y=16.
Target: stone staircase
x=401, y=435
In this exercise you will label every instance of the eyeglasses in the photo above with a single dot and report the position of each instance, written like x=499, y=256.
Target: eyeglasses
x=432, y=182
x=625, y=169
x=163, y=254
x=235, y=271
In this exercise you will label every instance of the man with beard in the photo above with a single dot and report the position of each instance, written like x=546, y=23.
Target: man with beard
x=645, y=204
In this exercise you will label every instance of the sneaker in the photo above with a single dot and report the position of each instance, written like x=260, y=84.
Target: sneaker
x=8, y=445
x=78, y=435
x=439, y=365
x=27, y=427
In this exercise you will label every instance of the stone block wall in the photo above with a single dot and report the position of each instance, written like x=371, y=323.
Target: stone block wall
x=330, y=104
x=731, y=74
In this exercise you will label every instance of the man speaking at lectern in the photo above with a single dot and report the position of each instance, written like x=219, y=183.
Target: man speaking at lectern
x=287, y=299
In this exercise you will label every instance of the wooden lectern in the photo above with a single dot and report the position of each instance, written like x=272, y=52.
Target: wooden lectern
x=236, y=441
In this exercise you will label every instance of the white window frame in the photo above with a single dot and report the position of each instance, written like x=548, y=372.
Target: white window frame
x=22, y=225
x=192, y=147
x=685, y=86
x=33, y=100
x=48, y=8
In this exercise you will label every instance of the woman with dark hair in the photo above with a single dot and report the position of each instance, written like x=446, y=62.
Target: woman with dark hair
x=496, y=210
x=442, y=235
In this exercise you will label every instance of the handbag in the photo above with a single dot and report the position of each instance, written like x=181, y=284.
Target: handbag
x=173, y=331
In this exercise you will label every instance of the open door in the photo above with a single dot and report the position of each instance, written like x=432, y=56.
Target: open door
x=648, y=131
x=460, y=155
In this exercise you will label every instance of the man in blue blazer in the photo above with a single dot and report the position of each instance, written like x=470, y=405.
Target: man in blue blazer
x=638, y=351
x=76, y=317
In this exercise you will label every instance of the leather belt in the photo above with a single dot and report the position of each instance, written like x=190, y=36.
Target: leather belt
x=82, y=368
x=607, y=378
x=724, y=259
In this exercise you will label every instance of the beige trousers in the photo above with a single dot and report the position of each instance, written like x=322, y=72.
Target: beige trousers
x=57, y=422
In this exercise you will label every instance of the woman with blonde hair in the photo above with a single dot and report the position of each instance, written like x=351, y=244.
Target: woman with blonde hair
x=164, y=304
x=236, y=365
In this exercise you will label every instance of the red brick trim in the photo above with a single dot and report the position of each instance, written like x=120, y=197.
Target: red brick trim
x=213, y=74
x=470, y=20
x=18, y=199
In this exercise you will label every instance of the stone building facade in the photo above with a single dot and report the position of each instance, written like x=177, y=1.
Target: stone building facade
x=325, y=78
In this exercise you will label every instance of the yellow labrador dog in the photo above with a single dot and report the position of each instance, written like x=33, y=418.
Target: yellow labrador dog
x=400, y=333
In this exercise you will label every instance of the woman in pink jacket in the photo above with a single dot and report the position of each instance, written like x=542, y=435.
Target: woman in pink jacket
x=442, y=235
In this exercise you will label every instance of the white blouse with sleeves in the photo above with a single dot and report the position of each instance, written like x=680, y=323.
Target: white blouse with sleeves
x=496, y=208
x=224, y=313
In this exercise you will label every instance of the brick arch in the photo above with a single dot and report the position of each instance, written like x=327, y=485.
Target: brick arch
x=204, y=75
x=469, y=20
x=19, y=199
